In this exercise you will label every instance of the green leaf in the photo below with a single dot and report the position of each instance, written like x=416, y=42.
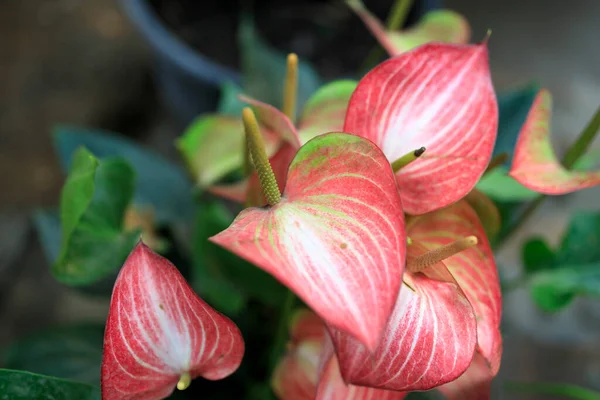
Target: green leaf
x=73, y=352
x=537, y=256
x=513, y=108
x=264, y=69
x=229, y=104
x=552, y=388
x=22, y=385
x=501, y=187
x=554, y=289
x=557, y=277
x=581, y=241
x=160, y=184
x=93, y=204
x=212, y=147
x=222, y=278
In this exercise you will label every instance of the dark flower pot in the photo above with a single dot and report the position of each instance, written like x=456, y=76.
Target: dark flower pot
x=188, y=81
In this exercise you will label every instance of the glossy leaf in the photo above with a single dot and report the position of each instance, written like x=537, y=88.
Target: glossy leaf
x=486, y=211
x=93, y=204
x=474, y=270
x=70, y=352
x=429, y=340
x=500, y=186
x=537, y=255
x=435, y=26
x=438, y=96
x=221, y=278
x=159, y=329
x=264, y=69
x=336, y=238
x=513, y=108
x=22, y=385
x=159, y=183
x=535, y=164
x=325, y=111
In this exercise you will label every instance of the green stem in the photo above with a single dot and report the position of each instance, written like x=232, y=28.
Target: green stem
x=583, y=141
x=396, y=20
x=282, y=329
x=557, y=389
x=571, y=157
x=399, y=14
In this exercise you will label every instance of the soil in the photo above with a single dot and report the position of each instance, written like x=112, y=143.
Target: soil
x=326, y=33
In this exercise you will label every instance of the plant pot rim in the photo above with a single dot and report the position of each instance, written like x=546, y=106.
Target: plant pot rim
x=169, y=46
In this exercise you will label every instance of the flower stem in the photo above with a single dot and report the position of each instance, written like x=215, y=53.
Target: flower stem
x=396, y=20
x=571, y=157
x=282, y=329
x=291, y=87
x=583, y=141
x=259, y=157
x=399, y=14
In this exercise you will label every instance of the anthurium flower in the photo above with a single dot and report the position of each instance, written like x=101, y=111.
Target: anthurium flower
x=447, y=311
x=160, y=335
x=336, y=235
x=324, y=112
x=300, y=375
x=435, y=26
x=437, y=96
x=535, y=164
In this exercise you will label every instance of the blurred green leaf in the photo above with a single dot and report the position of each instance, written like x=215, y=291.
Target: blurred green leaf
x=498, y=185
x=537, y=256
x=229, y=104
x=93, y=203
x=160, y=184
x=581, y=241
x=72, y=352
x=557, y=277
x=513, y=108
x=264, y=69
x=552, y=388
x=222, y=278
x=554, y=289
x=22, y=385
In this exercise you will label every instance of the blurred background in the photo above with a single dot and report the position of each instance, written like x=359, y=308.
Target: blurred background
x=96, y=64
